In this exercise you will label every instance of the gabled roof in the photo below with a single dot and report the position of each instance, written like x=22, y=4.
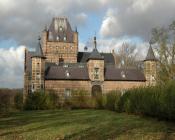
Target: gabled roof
x=150, y=55
x=60, y=28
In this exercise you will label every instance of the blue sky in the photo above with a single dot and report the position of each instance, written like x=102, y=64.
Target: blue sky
x=114, y=21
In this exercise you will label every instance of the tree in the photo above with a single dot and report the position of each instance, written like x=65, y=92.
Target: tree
x=164, y=42
x=126, y=56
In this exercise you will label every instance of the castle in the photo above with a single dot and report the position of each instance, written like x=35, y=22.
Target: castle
x=57, y=65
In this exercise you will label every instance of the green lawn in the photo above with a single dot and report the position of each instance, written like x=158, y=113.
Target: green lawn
x=82, y=124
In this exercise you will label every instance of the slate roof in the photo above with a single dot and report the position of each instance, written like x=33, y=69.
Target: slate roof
x=60, y=73
x=95, y=55
x=38, y=52
x=119, y=74
x=83, y=57
x=54, y=31
x=150, y=55
x=76, y=72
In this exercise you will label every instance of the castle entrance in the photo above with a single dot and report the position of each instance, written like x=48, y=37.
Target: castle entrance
x=96, y=90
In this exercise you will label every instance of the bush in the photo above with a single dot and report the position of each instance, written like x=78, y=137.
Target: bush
x=40, y=101
x=158, y=101
x=100, y=101
x=7, y=99
x=18, y=100
x=112, y=99
x=80, y=99
x=5, y=102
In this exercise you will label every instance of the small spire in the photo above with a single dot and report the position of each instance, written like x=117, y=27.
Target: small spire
x=150, y=54
x=95, y=43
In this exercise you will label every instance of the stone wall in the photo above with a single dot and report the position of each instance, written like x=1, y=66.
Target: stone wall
x=92, y=64
x=60, y=86
x=120, y=85
x=38, y=68
x=150, y=71
x=55, y=50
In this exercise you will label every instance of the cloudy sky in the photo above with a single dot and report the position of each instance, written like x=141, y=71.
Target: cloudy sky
x=113, y=21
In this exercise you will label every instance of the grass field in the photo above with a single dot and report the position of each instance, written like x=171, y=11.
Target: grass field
x=82, y=124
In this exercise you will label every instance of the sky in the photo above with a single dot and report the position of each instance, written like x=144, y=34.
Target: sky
x=112, y=21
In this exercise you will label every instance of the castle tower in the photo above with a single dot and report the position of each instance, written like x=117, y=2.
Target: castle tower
x=150, y=68
x=60, y=42
x=38, y=68
x=96, y=65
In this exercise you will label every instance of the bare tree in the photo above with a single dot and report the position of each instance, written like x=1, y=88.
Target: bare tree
x=126, y=56
x=164, y=42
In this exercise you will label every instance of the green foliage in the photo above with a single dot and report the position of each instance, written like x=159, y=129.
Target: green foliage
x=79, y=99
x=7, y=99
x=41, y=101
x=5, y=103
x=18, y=100
x=158, y=101
x=112, y=99
x=100, y=101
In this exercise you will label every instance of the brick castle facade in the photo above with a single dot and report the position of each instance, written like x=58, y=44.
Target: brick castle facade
x=57, y=65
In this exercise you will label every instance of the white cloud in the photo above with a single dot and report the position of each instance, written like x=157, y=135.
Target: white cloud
x=11, y=67
x=109, y=24
x=136, y=17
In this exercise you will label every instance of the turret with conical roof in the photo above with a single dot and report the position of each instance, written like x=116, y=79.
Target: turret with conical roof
x=95, y=55
x=38, y=50
x=38, y=68
x=150, y=67
x=150, y=55
x=96, y=64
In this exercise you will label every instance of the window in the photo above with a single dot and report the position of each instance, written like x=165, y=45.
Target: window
x=96, y=73
x=61, y=28
x=67, y=93
x=67, y=74
x=57, y=38
x=64, y=38
x=65, y=65
x=42, y=86
x=123, y=74
x=37, y=76
x=61, y=60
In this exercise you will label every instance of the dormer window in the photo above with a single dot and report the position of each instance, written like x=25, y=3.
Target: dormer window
x=67, y=74
x=57, y=38
x=65, y=65
x=64, y=38
x=123, y=74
